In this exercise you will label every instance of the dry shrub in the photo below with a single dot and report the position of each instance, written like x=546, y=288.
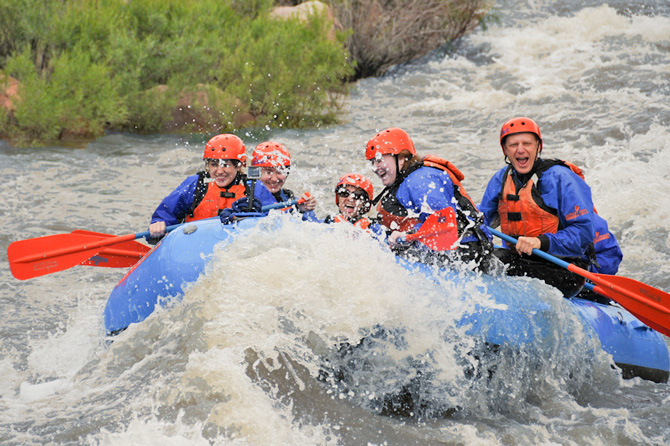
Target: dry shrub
x=390, y=32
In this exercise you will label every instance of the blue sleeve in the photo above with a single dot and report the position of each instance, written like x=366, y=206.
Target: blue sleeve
x=563, y=190
x=425, y=191
x=284, y=195
x=608, y=252
x=174, y=207
x=489, y=204
x=311, y=216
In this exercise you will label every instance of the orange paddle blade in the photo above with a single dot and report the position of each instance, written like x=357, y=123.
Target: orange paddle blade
x=439, y=232
x=648, y=304
x=120, y=255
x=45, y=255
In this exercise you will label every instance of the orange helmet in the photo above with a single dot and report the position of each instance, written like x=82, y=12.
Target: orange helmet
x=390, y=141
x=356, y=180
x=520, y=125
x=271, y=154
x=225, y=147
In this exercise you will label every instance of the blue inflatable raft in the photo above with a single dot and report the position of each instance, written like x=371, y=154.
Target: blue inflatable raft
x=180, y=258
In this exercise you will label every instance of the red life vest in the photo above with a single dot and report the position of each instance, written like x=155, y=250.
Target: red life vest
x=394, y=215
x=215, y=200
x=521, y=208
x=394, y=221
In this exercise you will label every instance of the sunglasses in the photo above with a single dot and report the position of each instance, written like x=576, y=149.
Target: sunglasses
x=343, y=193
x=215, y=163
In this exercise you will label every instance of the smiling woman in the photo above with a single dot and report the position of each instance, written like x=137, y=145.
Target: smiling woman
x=207, y=193
x=418, y=187
x=274, y=161
x=353, y=197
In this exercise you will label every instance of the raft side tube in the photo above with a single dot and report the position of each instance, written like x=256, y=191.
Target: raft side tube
x=163, y=274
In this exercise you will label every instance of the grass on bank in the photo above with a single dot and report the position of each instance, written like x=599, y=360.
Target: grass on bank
x=86, y=66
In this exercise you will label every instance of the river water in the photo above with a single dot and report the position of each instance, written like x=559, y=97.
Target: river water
x=236, y=361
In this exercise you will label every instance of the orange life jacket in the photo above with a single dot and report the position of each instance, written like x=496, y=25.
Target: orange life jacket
x=394, y=215
x=215, y=198
x=521, y=208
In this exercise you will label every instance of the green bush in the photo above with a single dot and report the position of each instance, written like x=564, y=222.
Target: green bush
x=37, y=114
x=76, y=98
x=4, y=121
x=85, y=66
x=275, y=83
x=76, y=84
x=148, y=110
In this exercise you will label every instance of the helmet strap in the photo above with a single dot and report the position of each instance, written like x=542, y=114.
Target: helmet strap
x=397, y=169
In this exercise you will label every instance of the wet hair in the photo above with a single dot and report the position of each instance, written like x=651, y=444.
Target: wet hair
x=409, y=160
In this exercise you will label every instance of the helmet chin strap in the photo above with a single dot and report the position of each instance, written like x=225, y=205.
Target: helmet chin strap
x=373, y=202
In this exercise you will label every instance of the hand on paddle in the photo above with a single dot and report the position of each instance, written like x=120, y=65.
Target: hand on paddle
x=306, y=203
x=393, y=238
x=157, y=229
x=525, y=245
x=245, y=205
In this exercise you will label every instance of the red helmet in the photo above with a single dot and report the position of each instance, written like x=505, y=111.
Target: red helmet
x=390, y=141
x=271, y=154
x=520, y=125
x=225, y=147
x=356, y=180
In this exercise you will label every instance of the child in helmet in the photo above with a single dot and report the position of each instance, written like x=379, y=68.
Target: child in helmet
x=208, y=192
x=353, y=197
x=275, y=163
